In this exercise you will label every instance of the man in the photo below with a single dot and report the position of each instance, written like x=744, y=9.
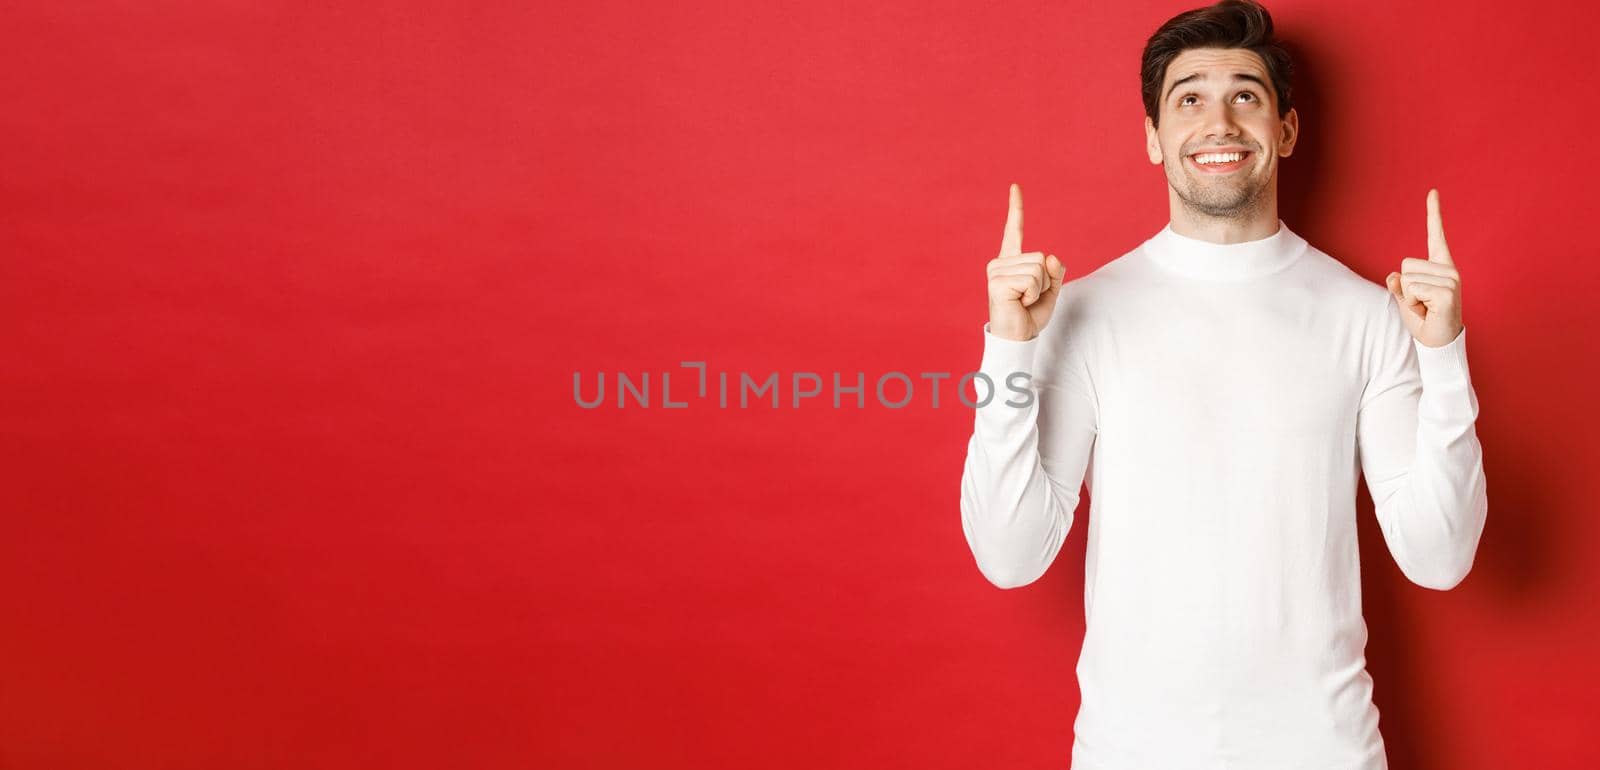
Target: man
x=1218, y=389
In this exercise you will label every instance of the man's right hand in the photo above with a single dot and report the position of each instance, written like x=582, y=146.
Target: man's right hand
x=1022, y=286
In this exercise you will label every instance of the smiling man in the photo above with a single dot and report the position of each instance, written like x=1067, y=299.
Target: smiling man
x=1218, y=389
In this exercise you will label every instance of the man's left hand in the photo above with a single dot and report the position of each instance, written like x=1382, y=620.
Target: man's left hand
x=1429, y=290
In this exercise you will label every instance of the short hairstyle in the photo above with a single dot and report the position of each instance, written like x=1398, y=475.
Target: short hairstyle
x=1226, y=24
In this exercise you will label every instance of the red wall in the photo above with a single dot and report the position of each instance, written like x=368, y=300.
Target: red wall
x=292, y=298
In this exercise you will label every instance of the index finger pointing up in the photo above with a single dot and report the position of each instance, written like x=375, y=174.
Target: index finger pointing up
x=1437, y=250
x=1011, y=241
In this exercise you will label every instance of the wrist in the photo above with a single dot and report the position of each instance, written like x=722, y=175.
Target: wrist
x=1012, y=333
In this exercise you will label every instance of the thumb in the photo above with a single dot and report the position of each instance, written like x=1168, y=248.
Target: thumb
x=1057, y=271
x=1393, y=281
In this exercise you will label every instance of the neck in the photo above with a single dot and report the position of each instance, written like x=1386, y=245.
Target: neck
x=1214, y=261
x=1253, y=224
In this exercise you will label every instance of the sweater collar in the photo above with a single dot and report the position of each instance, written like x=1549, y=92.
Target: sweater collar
x=1209, y=261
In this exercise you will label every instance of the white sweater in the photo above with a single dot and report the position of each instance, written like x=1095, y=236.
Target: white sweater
x=1219, y=400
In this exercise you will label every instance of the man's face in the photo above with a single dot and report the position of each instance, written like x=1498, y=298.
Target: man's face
x=1220, y=100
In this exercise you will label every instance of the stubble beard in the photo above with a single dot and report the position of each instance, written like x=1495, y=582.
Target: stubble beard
x=1233, y=198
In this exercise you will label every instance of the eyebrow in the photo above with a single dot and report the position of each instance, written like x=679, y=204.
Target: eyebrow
x=1202, y=76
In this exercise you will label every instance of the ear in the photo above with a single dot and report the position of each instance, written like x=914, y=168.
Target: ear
x=1152, y=142
x=1290, y=128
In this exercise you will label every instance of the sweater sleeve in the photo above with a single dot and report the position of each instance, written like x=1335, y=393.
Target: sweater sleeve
x=1025, y=464
x=1420, y=454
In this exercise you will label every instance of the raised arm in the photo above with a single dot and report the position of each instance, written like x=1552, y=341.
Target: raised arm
x=1416, y=429
x=1031, y=441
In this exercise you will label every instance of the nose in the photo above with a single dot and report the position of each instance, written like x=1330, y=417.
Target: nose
x=1219, y=122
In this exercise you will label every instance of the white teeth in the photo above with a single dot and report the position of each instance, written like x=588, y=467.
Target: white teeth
x=1218, y=157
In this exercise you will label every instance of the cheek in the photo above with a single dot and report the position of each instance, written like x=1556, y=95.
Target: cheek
x=1269, y=134
x=1170, y=147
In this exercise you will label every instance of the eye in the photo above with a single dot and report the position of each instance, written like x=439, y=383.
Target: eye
x=1186, y=97
x=1250, y=94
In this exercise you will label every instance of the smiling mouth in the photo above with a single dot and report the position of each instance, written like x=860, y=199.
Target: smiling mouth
x=1219, y=162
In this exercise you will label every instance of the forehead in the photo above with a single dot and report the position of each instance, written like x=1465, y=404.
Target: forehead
x=1218, y=64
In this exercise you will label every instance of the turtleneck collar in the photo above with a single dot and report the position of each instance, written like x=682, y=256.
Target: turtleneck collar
x=1209, y=261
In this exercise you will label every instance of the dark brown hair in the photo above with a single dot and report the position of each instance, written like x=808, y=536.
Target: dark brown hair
x=1226, y=24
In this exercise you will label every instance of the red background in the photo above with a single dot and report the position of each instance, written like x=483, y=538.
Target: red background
x=292, y=299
